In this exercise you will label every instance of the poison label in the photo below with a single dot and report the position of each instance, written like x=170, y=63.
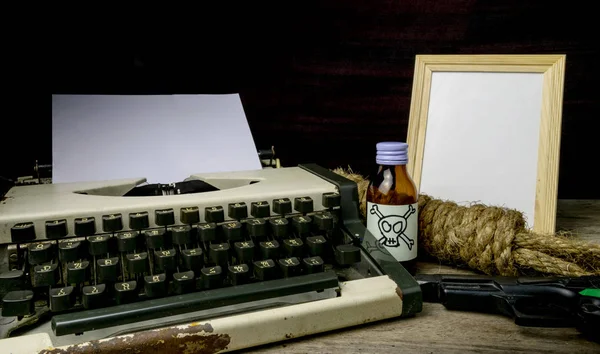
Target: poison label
x=395, y=227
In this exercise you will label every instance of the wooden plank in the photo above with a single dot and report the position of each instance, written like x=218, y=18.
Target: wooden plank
x=439, y=330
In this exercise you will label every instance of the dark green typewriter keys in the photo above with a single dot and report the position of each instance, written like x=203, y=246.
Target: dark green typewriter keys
x=164, y=217
x=219, y=253
x=137, y=263
x=85, y=226
x=69, y=251
x=155, y=285
x=313, y=264
x=265, y=270
x=233, y=231
x=46, y=275
x=165, y=260
x=182, y=235
x=155, y=239
x=138, y=221
x=40, y=253
x=98, y=245
x=94, y=296
x=78, y=272
x=257, y=228
x=56, y=228
x=293, y=247
x=112, y=223
x=207, y=232
x=323, y=221
x=62, y=299
x=184, y=282
x=282, y=206
x=269, y=249
x=192, y=259
x=18, y=303
x=190, y=215
x=126, y=292
x=214, y=214
x=237, y=211
x=22, y=232
x=303, y=204
x=316, y=245
x=260, y=209
x=127, y=241
x=13, y=280
x=289, y=266
x=301, y=224
x=331, y=200
x=244, y=251
x=238, y=274
x=279, y=227
x=346, y=255
x=108, y=269
x=211, y=277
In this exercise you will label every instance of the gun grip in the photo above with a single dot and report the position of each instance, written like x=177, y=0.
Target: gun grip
x=543, y=316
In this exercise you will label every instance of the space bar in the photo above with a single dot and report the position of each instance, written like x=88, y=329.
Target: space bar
x=89, y=320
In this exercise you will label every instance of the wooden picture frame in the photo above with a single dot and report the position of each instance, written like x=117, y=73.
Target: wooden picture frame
x=429, y=127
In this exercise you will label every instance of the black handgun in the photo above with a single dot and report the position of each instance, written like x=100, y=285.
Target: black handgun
x=539, y=302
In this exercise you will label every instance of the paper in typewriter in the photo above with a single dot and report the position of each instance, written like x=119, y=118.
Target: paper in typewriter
x=163, y=138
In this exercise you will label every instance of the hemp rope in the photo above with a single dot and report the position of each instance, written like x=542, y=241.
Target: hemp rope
x=492, y=239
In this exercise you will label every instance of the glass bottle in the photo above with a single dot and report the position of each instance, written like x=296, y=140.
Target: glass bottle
x=392, y=208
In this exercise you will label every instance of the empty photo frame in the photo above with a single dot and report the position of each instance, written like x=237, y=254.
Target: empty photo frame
x=486, y=129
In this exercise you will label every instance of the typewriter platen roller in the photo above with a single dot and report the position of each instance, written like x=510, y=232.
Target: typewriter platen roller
x=84, y=261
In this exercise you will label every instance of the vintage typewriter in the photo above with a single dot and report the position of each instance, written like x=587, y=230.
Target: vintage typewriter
x=223, y=261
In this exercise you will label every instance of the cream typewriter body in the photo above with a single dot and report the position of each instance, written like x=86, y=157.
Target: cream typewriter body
x=255, y=257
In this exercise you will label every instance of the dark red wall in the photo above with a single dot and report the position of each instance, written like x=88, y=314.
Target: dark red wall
x=324, y=81
x=351, y=87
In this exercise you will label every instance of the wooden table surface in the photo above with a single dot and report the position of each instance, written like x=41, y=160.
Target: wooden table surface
x=437, y=330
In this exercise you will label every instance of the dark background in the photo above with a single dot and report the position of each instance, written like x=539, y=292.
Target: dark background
x=322, y=82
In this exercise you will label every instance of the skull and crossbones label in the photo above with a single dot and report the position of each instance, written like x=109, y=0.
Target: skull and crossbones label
x=395, y=226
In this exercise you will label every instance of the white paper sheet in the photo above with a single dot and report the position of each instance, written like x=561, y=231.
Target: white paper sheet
x=163, y=138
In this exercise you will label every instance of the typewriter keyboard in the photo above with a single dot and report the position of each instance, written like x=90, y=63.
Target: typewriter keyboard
x=71, y=275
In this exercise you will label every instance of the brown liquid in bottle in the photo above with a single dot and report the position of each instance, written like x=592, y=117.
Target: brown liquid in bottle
x=403, y=190
x=392, y=186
